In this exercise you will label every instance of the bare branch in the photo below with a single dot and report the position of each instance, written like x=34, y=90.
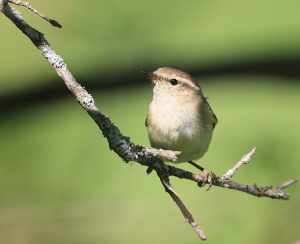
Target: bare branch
x=185, y=212
x=28, y=5
x=288, y=183
x=245, y=160
x=165, y=155
x=152, y=158
x=221, y=181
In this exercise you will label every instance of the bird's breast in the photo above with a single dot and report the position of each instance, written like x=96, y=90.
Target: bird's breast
x=171, y=124
x=179, y=128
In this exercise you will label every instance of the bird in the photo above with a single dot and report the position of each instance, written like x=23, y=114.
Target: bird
x=179, y=117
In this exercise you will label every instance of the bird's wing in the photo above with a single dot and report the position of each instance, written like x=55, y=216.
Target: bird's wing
x=211, y=112
x=215, y=119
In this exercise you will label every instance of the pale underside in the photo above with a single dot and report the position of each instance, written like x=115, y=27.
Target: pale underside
x=180, y=126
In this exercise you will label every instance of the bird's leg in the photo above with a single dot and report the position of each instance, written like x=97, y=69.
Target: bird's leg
x=208, y=175
x=196, y=165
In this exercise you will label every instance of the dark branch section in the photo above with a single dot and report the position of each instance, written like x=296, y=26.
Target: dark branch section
x=128, y=151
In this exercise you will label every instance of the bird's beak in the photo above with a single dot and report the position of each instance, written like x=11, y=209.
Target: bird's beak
x=153, y=77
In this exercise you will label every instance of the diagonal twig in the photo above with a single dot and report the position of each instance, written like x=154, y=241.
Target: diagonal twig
x=245, y=160
x=185, y=212
x=29, y=6
x=287, y=183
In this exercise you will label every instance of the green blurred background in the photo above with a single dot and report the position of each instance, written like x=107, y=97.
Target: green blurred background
x=59, y=181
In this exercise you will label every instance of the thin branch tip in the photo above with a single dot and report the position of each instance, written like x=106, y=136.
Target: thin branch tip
x=185, y=212
x=245, y=160
x=247, y=157
x=32, y=9
x=55, y=23
x=288, y=183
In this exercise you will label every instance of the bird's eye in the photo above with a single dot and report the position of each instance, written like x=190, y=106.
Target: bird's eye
x=174, y=82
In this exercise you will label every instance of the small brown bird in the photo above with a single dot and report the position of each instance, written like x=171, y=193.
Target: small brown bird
x=179, y=116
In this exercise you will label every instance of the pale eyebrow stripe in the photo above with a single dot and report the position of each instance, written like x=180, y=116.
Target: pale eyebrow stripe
x=186, y=82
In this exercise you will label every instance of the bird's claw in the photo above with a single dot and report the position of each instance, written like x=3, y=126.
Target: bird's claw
x=207, y=178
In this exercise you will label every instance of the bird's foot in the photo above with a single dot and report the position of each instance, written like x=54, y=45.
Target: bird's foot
x=208, y=178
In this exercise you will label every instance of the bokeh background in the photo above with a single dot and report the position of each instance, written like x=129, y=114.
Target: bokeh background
x=59, y=181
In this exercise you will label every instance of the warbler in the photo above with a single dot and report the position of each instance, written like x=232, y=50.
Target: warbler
x=179, y=117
